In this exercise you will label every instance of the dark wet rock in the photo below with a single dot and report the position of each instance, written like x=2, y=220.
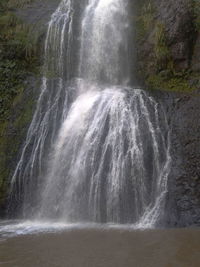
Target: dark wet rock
x=177, y=17
x=183, y=197
x=184, y=179
x=171, y=40
x=182, y=41
x=196, y=56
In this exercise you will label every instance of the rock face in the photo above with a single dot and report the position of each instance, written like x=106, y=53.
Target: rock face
x=183, y=197
x=184, y=183
x=13, y=131
x=195, y=65
x=13, y=136
x=167, y=49
x=168, y=44
x=177, y=17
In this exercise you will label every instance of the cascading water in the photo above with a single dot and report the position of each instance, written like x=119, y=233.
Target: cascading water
x=104, y=42
x=96, y=150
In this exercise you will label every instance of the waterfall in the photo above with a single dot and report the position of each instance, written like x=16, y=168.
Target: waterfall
x=104, y=42
x=97, y=150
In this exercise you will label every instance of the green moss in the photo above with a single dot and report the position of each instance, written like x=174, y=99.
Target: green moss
x=196, y=10
x=176, y=84
x=12, y=133
x=145, y=20
x=25, y=116
x=157, y=67
x=151, y=30
x=3, y=170
x=18, y=3
x=164, y=76
x=18, y=56
x=161, y=49
x=18, y=59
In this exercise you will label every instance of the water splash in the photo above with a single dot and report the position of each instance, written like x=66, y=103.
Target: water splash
x=100, y=168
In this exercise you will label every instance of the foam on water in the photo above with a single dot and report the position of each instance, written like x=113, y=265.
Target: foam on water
x=9, y=229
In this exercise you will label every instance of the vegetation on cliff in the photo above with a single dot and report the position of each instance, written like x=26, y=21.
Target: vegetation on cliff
x=18, y=50
x=18, y=61
x=166, y=45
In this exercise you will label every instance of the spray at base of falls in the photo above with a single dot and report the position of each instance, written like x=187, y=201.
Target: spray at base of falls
x=94, y=152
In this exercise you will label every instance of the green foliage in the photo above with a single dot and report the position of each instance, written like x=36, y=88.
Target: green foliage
x=11, y=79
x=165, y=77
x=161, y=49
x=177, y=82
x=148, y=15
x=3, y=6
x=17, y=37
x=3, y=171
x=145, y=20
x=18, y=3
x=158, y=68
x=18, y=57
x=11, y=137
x=196, y=6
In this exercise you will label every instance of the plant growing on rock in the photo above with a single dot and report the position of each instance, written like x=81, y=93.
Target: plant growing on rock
x=18, y=56
x=196, y=10
x=18, y=3
x=146, y=18
x=162, y=52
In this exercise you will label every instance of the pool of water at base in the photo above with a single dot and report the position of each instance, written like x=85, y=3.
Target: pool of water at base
x=48, y=244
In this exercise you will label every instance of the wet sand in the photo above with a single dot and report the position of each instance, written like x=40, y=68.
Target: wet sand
x=103, y=248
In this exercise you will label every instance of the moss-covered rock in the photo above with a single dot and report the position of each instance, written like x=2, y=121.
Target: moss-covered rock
x=13, y=131
x=167, y=45
x=22, y=29
x=168, y=59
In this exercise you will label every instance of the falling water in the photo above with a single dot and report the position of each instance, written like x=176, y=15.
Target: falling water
x=96, y=150
x=104, y=42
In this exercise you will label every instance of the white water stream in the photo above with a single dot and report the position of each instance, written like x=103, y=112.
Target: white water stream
x=97, y=150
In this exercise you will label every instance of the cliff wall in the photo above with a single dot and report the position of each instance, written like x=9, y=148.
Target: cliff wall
x=22, y=31
x=168, y=59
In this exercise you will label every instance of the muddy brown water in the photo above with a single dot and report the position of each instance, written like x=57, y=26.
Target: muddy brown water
x=103, y=248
